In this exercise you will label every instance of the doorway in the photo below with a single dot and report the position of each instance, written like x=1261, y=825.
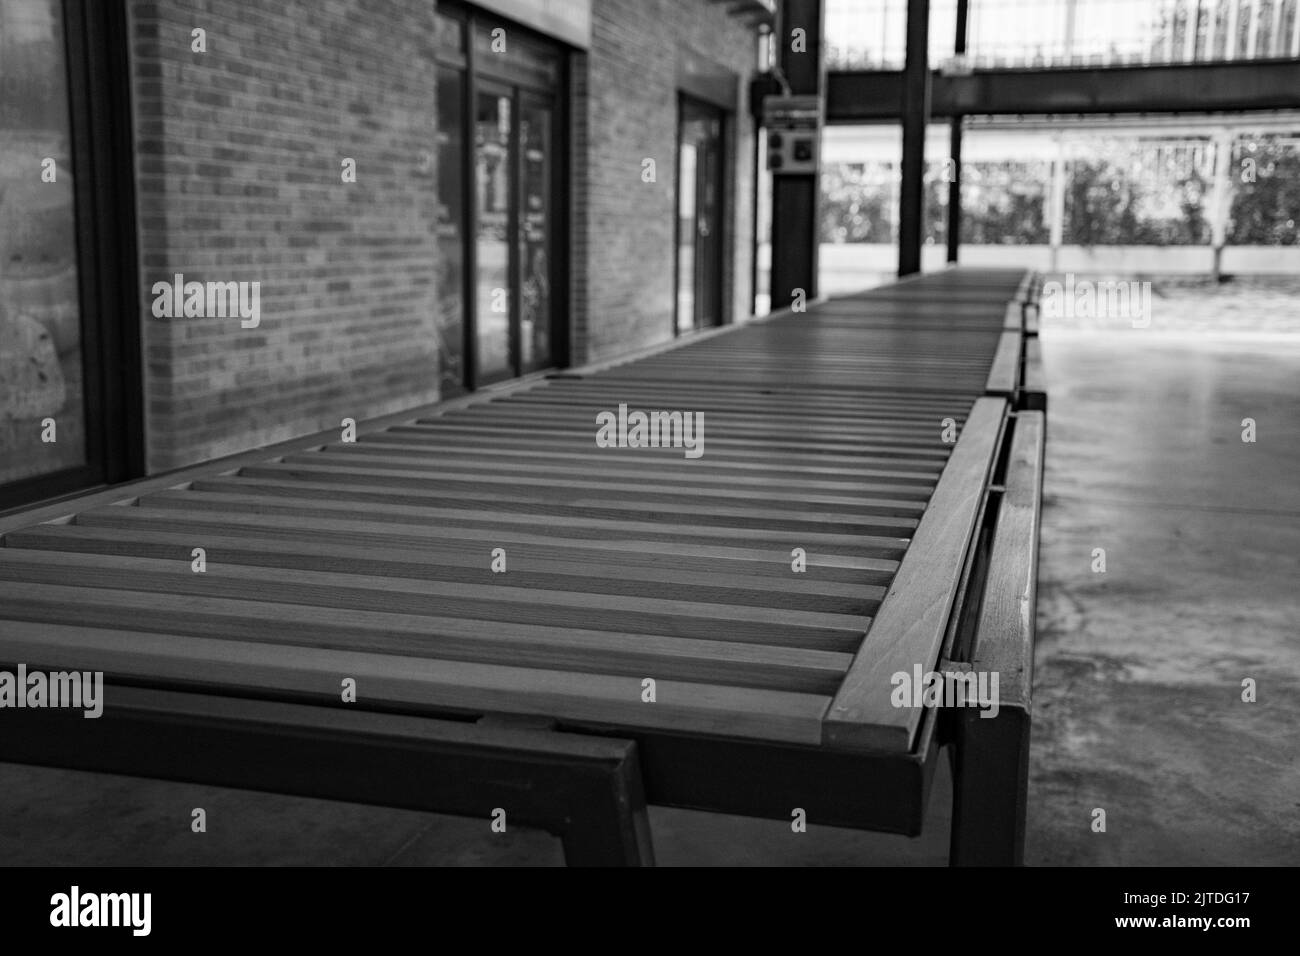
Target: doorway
x=699, y=216
x=502, y=220
x=514, y=172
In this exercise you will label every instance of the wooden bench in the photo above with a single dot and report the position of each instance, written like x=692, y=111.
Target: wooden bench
x=827, y=442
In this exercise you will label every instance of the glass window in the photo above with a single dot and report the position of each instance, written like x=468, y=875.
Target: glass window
x=535, y=237
x=451, y=231
x=41, y=377
x=498, y=48
x=494, y=308
x=449, y=33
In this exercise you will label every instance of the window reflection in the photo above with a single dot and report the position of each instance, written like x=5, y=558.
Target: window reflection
x=40, y=318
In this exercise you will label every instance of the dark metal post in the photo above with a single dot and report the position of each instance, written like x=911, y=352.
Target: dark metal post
x=954, y=184
x=990, y=788
x=916, y=116
x=795, y=198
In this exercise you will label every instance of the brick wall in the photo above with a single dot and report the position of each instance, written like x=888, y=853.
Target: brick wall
x=625, y=109
x=238, y=179
x=238, y=169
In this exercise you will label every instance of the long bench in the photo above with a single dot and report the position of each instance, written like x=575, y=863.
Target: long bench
x=717, y=632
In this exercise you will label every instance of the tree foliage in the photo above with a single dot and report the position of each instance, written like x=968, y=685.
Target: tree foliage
x=1266, y=212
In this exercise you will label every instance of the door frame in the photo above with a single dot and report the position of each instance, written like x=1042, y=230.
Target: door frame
x=520, y=83
x=103, y=173
x=685, y=102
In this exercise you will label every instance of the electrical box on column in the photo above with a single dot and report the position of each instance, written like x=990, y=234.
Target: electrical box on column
x=793, y=134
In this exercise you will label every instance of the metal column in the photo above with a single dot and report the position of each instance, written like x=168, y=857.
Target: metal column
x=795, y=197
x=954, y=184
x=916, y=116
x=1056, y=204
x=1221, y=198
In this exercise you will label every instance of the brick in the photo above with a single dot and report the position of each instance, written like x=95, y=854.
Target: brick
x=332, y=80
x=239, y=180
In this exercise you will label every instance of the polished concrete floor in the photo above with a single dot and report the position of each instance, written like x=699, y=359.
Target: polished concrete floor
x=1139, y=668
x=1139, y=708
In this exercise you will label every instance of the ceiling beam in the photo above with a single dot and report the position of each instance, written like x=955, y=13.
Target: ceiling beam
x=862, y=96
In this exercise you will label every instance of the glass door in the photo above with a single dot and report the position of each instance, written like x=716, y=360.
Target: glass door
x=515, y=182
x=536, y=135
x=495, y=314
x=501, y=172
x=699, y=216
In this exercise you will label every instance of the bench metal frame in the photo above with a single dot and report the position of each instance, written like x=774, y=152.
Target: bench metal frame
x=585, y=790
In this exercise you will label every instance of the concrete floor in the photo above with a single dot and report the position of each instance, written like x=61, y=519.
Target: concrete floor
x=1138, y=706
x=1138, y=680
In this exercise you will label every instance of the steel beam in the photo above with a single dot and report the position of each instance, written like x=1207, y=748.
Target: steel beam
x=864, y=96
x=586, y=790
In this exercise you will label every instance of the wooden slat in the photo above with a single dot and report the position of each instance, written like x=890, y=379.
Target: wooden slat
x=420, y=489
x=581, y=421
x=1005, y=372
x=731, y=468
x=345, y=463
x=718, y=581
x=455, y=543
x=393, y=681
x=877, y=455
x=443, y=604
x=613, y=487
x=471, y=433
x=864, y=404
x=1004, y=636
x=909, y=627
x=811, y=669
x=443, y=467
x=61, y=509
x=583, y=518
x=488, y=526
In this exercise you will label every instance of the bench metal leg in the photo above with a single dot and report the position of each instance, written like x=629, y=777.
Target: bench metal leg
x=990, y=788
x=608, y=823
x=991, y=758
